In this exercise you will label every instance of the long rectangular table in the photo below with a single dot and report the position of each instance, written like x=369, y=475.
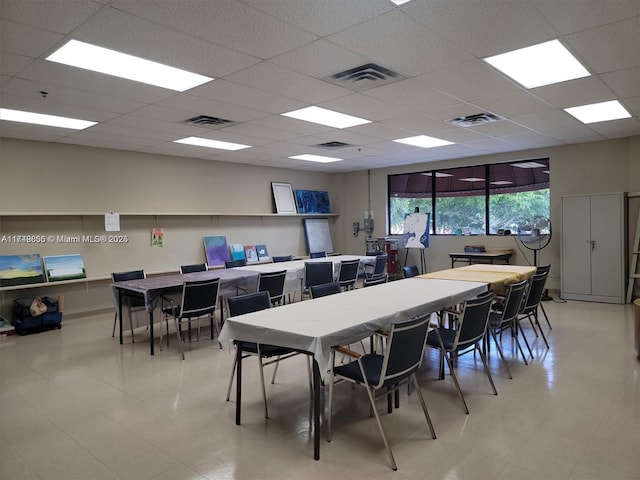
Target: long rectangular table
x=480, y=257
x=152, y=288
x=295, y=268
x=497, y=276
x=314, y=326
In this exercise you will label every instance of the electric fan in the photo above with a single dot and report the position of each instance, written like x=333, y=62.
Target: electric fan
x=535, y=234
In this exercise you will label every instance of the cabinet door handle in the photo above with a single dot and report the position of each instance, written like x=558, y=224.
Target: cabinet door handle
x=593, y=244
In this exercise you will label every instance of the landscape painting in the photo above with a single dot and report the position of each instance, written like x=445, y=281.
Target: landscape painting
x=216, y=249
x=20, y=270
x=64, y=267
x=312, y=201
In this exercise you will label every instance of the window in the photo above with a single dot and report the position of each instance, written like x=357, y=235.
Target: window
x=482, y=199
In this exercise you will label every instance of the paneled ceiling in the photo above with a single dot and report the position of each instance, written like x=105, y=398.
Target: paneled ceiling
x=272, y=56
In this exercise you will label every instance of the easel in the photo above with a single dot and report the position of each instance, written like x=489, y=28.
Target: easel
x=423, y=260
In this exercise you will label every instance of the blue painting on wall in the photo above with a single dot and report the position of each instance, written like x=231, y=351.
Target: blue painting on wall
x=312, y=201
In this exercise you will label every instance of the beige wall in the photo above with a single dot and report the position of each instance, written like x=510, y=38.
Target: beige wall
x=40, y=177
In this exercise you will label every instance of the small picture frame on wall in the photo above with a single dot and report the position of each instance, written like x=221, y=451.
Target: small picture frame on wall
x=283, y=197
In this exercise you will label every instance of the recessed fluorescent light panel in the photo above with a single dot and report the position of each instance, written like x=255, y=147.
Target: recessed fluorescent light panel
x=326, y=117
x=501, y=182
x=400, y=2
x=42, y=119
x=471, y=179
x=424, y=141
x=599, y=112
x=103, y=60
x=438, y=174
x=316, y=158
x=539, y=65
x=207, y=142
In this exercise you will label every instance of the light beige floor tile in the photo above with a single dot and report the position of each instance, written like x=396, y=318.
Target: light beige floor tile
x=76, y=404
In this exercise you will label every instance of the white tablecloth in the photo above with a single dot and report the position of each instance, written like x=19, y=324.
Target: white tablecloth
x=316, y=325
x=295, y=268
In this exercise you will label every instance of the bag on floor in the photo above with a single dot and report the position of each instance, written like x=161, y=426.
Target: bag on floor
x=35, y=315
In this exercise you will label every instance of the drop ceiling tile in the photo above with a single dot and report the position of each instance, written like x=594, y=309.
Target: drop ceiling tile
x=364, y=106
x=320, y=59
x=418, y=124
x=284, y=82
x=54, y=16
x=225, y=91
x=547, y=121
x=49, y=106
x=617, y=128
x=202, y=106
x=23, y=40
x=28, y=131
x=414, y=94
x=500, y=129
x=146, y=137
x=372, y=39
x=111, y=135
x=574, y=133
x=623, y=83
x=322, y=18
x=228, y=23
x=133, y=35
x=472, y=81
x=291, y=125
x=576, y=15
x=347, y=136
x=574, y=92
x=80, y=79
x=484, y=28
x=530, y=140
x=514, y=105
x=69, y=96
x=272, y=134
x=596, y=46
x=171, y=130
x=11, y=64
x=381, y=131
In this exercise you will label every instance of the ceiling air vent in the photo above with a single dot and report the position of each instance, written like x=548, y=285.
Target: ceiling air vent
x=208, y=121
x=333, y=145
x=475, y=120
x=364, y=77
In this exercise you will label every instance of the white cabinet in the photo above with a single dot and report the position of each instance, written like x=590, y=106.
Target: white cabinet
x=593, y=248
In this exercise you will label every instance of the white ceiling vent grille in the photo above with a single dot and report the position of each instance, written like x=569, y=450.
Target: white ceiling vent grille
x=364, y=77
x=475, y=120
x=208, y=121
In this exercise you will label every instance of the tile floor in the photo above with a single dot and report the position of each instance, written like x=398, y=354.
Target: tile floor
x=74, y=404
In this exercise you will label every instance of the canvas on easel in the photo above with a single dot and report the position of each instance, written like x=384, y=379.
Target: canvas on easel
x=416, y=235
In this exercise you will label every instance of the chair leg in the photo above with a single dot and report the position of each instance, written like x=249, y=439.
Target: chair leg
x=514, y=334
x=384, y=437
x=546, y=317
x=500, y=352
x=233, y=371
x=179, y=337
x=264, y=391
x=133, y=339
x=115, y=321
x=486, y=369
x=331, y=381
x=524, y=337
x=424, y=405
x=544, y=337
x=455, y=381
x=275, y=370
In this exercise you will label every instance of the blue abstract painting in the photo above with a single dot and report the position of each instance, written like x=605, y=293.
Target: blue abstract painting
x=312, y=201
x=216, y=249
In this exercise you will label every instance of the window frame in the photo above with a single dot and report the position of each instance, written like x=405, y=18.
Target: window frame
x=488, y=189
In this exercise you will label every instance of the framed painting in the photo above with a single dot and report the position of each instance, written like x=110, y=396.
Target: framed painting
x=283, y=197
x=64, y=267
x=312, y=201
x=216, y=249
x=21, y=270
